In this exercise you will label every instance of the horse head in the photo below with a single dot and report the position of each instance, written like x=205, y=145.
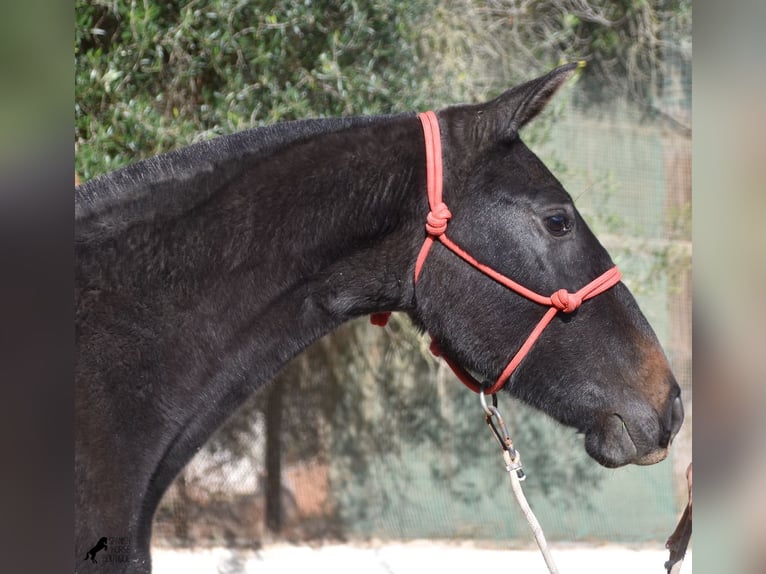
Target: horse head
x=598, y=366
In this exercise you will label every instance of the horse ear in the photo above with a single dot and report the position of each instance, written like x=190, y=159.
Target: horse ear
x=509, y=112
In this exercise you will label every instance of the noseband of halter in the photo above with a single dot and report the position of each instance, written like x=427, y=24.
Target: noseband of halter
x=436, y=229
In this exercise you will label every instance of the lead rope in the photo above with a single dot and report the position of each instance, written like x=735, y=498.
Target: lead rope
x=512, y=459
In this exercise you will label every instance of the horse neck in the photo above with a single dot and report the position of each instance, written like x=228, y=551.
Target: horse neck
x=339, y=212
x=191, y=305
x=284, y=248
x=345, y=213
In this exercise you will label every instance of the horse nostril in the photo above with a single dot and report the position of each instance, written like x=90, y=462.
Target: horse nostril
x=676, y=417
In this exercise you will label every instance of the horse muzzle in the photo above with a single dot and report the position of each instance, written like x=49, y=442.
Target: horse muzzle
x=637, y=437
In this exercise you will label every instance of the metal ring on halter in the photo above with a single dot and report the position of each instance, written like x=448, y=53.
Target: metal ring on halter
x=483, y=400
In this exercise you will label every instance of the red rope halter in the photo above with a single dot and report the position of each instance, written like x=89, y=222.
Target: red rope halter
x=436, y=228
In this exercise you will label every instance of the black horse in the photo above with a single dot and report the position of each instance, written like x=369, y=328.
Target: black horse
x=199, y=273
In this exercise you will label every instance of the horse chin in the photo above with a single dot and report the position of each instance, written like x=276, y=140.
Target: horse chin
x=611, y=445
x=652, y=457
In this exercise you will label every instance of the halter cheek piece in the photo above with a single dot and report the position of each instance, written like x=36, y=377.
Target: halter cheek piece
x=436, y=229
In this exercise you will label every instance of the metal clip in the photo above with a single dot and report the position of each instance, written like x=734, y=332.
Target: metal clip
x=500, y=432
x=483, y=400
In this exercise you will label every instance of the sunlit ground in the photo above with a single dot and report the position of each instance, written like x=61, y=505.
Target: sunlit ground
x=413, y=558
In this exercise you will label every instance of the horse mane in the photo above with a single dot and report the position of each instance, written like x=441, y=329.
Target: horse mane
x=171, y=183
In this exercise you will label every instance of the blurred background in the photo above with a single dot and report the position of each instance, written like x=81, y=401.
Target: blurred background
x=365, y=435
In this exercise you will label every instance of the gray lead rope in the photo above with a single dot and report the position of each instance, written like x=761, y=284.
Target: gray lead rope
x=512, y=459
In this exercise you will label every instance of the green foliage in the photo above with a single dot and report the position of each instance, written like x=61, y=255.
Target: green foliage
x=631, y=45
x=153, y=76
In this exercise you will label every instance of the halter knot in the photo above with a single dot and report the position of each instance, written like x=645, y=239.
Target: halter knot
x=565, y=301
x=437, y=218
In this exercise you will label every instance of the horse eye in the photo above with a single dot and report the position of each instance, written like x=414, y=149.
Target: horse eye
x=558, y=225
